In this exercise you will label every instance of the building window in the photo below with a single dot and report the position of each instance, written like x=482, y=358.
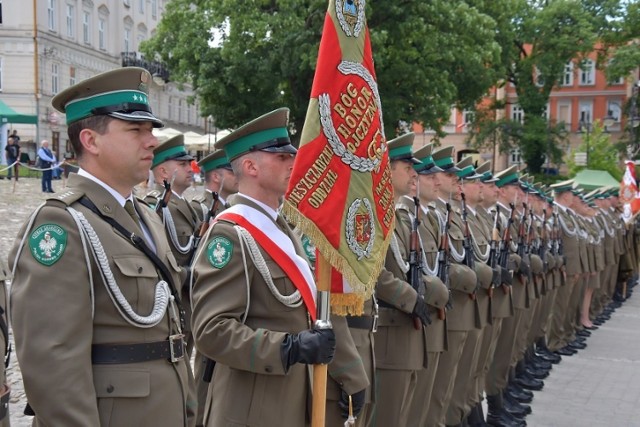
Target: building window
x=517, y=113
x=102, y=36
x=567, y=77
x=71, y=11
x=587, y=73
x=180, y=111
x=127, y=39
x=86, y=27
x=614, y=110
x=54, y=79
x=515, y=157
x=51, y=14
x=170, y=111
x=72, y=76
x=539, y=78
x=0, y=11
x=618, y=81
x=585, y=114
x=188, y=114
x=154, y=9
x=141, y=6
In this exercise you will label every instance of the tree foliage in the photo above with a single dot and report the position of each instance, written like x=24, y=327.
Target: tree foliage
x=429, y=56
x=602, y=154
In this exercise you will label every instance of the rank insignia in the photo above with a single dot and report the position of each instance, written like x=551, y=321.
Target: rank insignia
x=47, y=243
x=219, y=251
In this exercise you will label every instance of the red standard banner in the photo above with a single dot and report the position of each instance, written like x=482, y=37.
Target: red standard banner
x=340, y=192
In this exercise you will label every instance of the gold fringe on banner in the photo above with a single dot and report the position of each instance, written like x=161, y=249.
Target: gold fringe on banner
x=347, y=304
x=363, y=290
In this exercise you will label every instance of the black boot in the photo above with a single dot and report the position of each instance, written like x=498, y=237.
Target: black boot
x=518, y=409
x=525, y=380
x=478, y=416
x=497, y=416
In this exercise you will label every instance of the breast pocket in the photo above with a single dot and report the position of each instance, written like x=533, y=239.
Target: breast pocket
x=283, y=287
x=136, y=277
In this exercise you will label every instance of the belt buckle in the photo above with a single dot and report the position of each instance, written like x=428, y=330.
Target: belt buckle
x=176, y=347
x=374, y=325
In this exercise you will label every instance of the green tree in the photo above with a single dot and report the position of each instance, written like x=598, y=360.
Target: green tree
x=429, y=56
x=539, y=39
x=601, y=153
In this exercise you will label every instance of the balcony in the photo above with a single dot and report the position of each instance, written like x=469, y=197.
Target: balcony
x=157, y=69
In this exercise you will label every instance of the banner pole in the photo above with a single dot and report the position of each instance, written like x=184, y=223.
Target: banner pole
x=318, y=408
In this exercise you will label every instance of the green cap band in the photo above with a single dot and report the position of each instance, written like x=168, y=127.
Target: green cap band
x=465, y=172
x=244, y=144
x=486, y=176
x=214, y=164
x=445, y=162
x=425, y=163
x=400, y=153
x=507, y=180
x=165, y=155
x=83, y=108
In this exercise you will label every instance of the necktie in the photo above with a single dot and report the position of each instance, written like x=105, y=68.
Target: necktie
x=128, y=206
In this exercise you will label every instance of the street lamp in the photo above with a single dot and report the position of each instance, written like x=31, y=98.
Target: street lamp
x=585, y=126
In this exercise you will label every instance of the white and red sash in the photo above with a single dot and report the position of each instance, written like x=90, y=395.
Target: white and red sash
x=279, y=247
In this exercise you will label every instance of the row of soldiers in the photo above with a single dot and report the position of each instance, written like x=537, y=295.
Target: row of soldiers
x=479, y=294
x=510, y=274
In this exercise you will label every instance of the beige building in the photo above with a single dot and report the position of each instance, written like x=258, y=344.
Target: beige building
x=67, y=41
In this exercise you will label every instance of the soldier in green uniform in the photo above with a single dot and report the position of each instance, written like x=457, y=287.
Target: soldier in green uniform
x=560, y=336
x=253, y=295
x=436, y=293
x=102, y=343
x=219, y=180
x=476, y=255
x=464, y=315
x=500, y=372
x=400, y=350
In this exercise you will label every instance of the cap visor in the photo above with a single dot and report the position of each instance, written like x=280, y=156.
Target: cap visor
x=287, y=149
x=429, y=171
x=138, y=116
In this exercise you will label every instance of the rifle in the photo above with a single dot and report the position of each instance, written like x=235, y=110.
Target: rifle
x=163, y=200
x=204, y=225
x=504, y=245
x=444, y=261
x=416, y=269
x=207, y=373
x=494, y=249
x=542, y=251
x=467, y=244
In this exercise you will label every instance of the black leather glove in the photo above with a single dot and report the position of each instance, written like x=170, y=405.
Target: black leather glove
x=525, y=266
x=357, y=403
x=506, y=276
x=313, y=347
x=421, y=312
x=496, y=278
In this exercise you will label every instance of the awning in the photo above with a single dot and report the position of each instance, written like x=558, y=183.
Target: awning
x=591, y=179
x=9, y=115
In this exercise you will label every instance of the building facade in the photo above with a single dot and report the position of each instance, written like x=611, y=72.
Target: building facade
x=49, y=45
x=583, y=97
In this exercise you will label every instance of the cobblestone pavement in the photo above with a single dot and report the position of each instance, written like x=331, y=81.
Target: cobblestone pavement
x=599, y=386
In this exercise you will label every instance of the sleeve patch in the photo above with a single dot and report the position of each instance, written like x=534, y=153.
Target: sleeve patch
x=219, y=251
x=47, y=243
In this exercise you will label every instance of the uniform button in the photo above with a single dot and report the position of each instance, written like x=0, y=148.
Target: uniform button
x=139, y=269
x=268, y=369
x=106, y=208
x=110, y=389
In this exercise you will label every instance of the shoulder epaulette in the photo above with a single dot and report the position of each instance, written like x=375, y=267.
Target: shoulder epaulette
x=198, y=198
x=65, y=198
x=153, y=193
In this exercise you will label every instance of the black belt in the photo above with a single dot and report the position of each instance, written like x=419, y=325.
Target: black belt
x=362, y=322
x=108, y=354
